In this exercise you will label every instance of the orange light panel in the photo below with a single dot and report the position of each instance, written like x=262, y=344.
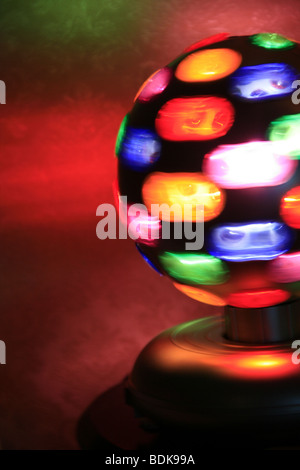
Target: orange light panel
x=201, y=295
x=197, y=118
x=208, y=65
x=168, y=189
x=257, y=298
x=290, y=207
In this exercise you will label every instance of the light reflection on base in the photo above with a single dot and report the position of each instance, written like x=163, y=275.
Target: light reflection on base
x=191, y=376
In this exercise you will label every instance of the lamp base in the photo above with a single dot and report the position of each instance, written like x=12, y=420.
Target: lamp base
x=190, y=376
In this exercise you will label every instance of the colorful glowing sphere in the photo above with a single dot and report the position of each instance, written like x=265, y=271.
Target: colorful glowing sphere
x=217, y=130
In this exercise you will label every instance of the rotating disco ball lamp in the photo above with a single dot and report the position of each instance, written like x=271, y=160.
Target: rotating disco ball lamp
x=218, y=128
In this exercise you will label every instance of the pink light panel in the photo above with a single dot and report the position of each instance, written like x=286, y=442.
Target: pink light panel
x=248, y=165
